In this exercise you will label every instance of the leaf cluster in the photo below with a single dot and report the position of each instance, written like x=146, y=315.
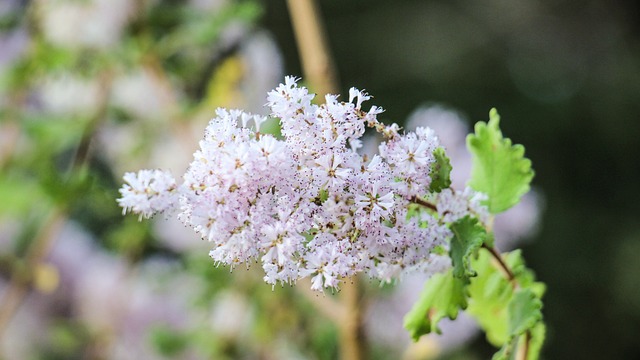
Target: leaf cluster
x=498, y=290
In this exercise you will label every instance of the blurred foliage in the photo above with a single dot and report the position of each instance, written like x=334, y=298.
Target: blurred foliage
x=59, y=99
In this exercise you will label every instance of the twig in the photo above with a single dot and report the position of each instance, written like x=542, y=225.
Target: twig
x=503, y=265
x=523, y=351
x=312, y=46
x=351, y=330
x=421, y=202
x=494, y=253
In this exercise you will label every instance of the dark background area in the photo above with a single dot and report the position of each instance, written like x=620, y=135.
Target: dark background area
x=565, y=76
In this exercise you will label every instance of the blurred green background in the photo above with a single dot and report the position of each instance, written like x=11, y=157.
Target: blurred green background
x=93, y=88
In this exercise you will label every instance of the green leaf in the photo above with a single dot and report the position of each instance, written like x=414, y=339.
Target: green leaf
x=468, y=236
x=509, y=316
x=443, y=295
x=524, y=311
x=489, y=296
x=441, y=171
x=500, y=169
x=510, y=350
x=524, y=276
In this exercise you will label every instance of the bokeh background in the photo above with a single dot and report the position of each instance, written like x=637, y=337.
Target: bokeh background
x=90, y=89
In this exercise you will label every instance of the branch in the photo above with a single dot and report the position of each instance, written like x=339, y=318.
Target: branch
x=424, y=203
x=523, y=351
x=352, y=338
x=315, y=56
x=503, y=265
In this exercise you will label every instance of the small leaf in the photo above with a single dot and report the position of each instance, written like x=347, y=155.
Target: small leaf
x=500, y=169
x=507, y=352
x=524, y=276
x=524, y=312
x=512, y=349
x=443, y=296
x=489, y=295
x=440, y=171
x=468, y=236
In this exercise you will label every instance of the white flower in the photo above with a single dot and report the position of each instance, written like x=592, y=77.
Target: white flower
x=359, y=96
x=308, y=205
x=373, y=204
x=148, y=192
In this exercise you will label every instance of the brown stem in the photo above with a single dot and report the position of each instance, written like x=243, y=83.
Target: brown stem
x=315, y=56
x=352, y=339
x=421, y=202
x=523, y=351
x=503, y=265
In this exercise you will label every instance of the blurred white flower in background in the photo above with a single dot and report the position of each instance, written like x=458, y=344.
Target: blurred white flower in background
x=110, y=304
x=69, y=93
x=140, y=94
x=87, y=23
x=231, y=315
x=114, y=300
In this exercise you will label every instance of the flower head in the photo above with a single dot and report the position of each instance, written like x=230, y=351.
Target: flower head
x=307, y=204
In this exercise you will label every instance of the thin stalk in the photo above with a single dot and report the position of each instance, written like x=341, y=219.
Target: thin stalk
x=523, y=351
x=317, y=63
x=418, y=201
x=502, y=264
x=352, y=337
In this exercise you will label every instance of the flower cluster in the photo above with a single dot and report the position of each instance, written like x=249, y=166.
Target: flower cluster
x=307, y=204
